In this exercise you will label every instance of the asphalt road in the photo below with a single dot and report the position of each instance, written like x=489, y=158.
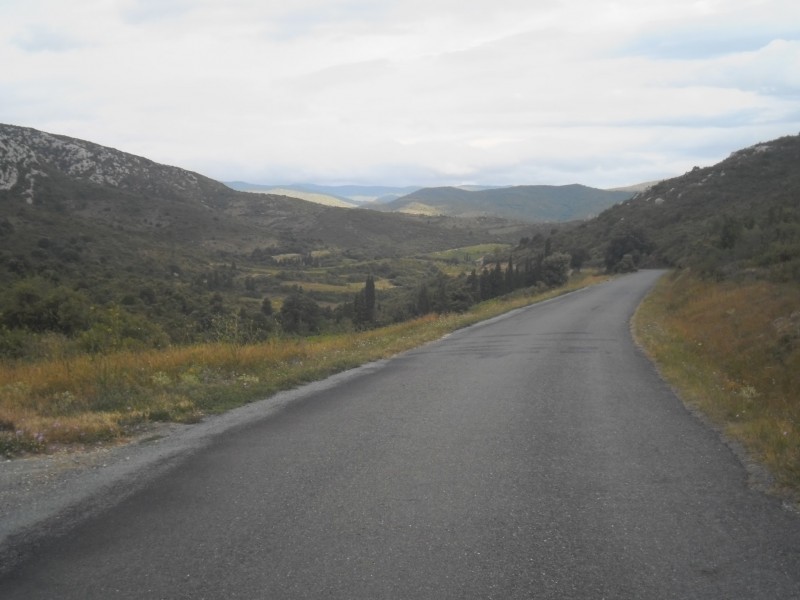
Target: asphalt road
x=535, y=456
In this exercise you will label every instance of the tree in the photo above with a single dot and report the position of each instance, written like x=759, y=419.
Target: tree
x=364, y=303
x=300, y=314
x=532, y=273
x=423, y=304
x=579, y=256
x=359, y=309
x=266, y=307
x=442, y=297
x=369, y=299
x=473, y=285
x=217, y=304
x=510, y=283
x=555, y=269
x=36, y=305
x=633, y=242
x=483, y=285
x=496, y=281
x=731, y=232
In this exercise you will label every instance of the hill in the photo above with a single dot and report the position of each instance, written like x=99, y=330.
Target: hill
x=532, y=203
x=316, y=197
x=739, y=216
x=58, y=186
x=350, y=195
x=92, y=239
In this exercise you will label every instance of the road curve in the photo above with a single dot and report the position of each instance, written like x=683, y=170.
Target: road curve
x=537, y=455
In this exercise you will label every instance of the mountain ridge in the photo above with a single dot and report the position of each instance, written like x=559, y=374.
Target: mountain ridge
x=533, y=203
x=88, y=184
x=27, y=148
x=739, y=215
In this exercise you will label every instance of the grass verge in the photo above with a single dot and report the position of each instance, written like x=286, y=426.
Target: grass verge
x=732, y=350
x=85, y=400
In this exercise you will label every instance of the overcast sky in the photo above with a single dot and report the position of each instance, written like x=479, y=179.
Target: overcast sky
x=419, y=92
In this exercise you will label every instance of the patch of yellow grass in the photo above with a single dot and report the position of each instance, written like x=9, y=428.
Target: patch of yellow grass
x=733, y=351
x=470, y=253
x=336, y=288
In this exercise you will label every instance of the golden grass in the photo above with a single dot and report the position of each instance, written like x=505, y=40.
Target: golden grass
x=470, y=253
x=336, y=288
x=83, y=400
x=733, y=351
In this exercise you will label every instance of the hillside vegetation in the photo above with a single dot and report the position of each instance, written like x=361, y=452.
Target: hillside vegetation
x=533, y=203
x=739, y=218
x=102, y=250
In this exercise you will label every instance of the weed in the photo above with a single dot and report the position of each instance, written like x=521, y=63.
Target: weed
x=724, y=346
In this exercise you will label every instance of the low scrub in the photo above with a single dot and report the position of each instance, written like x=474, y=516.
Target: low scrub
x=732, y=349
x=74, y=401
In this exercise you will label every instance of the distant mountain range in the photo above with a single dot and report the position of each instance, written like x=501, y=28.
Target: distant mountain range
x=533, y=203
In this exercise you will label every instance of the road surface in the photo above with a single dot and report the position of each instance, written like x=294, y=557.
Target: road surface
x=538, y=455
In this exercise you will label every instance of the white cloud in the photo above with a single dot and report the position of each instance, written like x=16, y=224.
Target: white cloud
x=602, y=93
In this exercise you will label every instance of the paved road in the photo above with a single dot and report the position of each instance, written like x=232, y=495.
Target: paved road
x=536, y=456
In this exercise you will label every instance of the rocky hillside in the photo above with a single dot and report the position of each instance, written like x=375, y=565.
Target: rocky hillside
x=54, y=186
x=30, y=158
x=740, y=215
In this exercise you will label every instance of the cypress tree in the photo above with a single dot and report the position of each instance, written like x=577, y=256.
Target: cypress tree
x=423, y=301
x=369, y=299
x=510, y=275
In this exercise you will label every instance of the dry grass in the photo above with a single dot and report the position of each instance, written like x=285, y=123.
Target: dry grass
x=733, y=351
x=336, y=288
x=88, y=399
x=470, y=253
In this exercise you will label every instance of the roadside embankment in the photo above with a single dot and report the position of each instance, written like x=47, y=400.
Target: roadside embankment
x=732, y=351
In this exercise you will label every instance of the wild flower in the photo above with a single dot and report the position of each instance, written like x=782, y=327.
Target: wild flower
x=748, y=392
x=160, y=378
